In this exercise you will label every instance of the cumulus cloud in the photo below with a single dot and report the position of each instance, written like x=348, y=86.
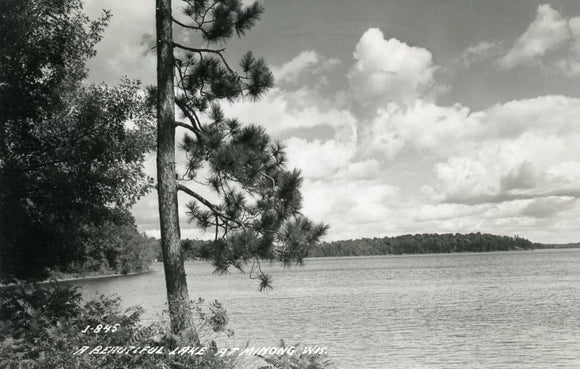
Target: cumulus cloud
x=307, y=62
x=505, y=171
x=419, y=126
x=550, y=115
x=282, y=111
x=512, y=169
x=389, y=70
x=551, y=42
x=523, y=176
x=353, y=208
x=318, y=159
x=570, y=64
x=547, y=32
x=365, y=169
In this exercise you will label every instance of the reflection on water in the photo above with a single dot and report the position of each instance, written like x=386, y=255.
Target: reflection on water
x=494, y=310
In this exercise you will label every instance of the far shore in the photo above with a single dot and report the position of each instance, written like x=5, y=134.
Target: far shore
x=79, y=278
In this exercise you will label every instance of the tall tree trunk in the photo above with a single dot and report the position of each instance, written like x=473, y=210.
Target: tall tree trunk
x=176, y=283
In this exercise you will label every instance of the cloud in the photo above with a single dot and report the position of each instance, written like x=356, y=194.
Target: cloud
x=523, y=176
x=307, y=62
x=506, y=171
x=447, y=211
x=548, y=207
x=353, y=208
x=551, y=42
x=510, y=167
x=547, y=32
x=570, y=64
x=389, y=70
x=300, y=112
x=550, y=115
x=421, y=126
x=366, y=169
x=317, y=159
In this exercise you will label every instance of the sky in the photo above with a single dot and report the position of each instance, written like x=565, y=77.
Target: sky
x=404, y=116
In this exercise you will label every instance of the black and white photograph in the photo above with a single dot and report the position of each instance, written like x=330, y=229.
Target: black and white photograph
x=290, y=184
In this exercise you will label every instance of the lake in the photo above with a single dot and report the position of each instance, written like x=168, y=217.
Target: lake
x=474, y=310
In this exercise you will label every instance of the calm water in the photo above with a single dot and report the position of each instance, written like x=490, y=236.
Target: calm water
x=493, y=310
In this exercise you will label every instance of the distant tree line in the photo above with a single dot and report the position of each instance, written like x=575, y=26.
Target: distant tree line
x=407, y=244
x=424, y=244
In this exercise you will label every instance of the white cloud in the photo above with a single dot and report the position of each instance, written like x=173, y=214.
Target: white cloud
x=389, y=70
x=551, y=42
x=419, y=126
x=546, y=114
x=366, y=169
x=523, y=176
x=569, y=65
x=353, y=208
x=282, y=111
x=318, y=159
x=468, y=178
x=307, y=62
x=547, y=32
x=290, y=71
x=504, y=171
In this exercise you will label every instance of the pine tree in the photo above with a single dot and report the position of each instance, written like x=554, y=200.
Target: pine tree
x=253, y=211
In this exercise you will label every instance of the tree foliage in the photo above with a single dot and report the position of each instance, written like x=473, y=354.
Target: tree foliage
x=424, y=244
x=71, y=156
x=45, y=45
x=242, y=191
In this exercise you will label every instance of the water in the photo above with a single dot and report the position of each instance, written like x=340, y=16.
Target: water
x=492, y=310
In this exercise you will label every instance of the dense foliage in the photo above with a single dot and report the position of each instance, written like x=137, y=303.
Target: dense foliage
x=113, y=247
x=42, y=327
x=71, y=156
x=423, y=244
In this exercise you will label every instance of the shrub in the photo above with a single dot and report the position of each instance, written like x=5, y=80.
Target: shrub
x=45, y=326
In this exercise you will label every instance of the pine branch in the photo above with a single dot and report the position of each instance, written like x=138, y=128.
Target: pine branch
x=186, y=25
x=191, y=116
x=198, y=50
x=209, y=8
x=218, y=52
x=188, y=127
x=213, y=208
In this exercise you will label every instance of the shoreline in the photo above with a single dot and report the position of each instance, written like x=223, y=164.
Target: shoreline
x=77, y=279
